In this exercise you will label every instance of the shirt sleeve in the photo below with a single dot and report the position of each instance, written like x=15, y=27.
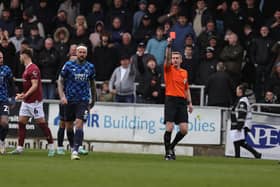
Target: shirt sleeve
x=64, y=70
x=34, y=74
x=92, y=75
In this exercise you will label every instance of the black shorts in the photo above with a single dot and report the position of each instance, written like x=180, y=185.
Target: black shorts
x=175, y=110
x=4, y=109
x=75, y=110
x=62, y=112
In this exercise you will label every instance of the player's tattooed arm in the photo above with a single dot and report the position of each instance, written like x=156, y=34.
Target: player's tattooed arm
x=60, y=87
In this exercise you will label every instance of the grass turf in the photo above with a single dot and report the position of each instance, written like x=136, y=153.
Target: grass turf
x=35, y=169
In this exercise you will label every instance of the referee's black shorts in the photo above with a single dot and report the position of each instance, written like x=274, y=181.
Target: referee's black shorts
x=175, y=110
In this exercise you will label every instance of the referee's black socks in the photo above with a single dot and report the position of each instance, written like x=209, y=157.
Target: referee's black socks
x=179, y=136
x=167, y=139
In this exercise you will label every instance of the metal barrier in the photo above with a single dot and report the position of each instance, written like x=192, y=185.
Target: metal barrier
x=257, y=107
x=200, y=87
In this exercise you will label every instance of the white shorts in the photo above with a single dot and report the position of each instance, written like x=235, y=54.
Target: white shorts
x=32, y=110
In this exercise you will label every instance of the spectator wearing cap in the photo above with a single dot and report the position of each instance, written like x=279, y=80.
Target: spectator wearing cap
x=96, y=15
x=273, y=83
x=216, y=82
x=201, y=17
x=122, y=81
x=140, y=57
x=137, y=17
x=34, y=39
x=6, y=23
x=216, y=44
x=119, y=10
x=209, y=31
x=48, y=62
x=30, y=21
x=182, y=28
x=145, y=30
x=206, y=67
x=72, y=7
x=17, y=38
x=105, y=58
x=156, y=46
x=232, y=56
x=261, y=55
x=171, y=15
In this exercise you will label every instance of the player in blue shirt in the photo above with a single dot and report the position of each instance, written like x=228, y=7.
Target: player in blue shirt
x=7, y=90
x=76, y=88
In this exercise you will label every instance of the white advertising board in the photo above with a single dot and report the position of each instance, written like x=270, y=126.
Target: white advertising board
x=143, y=124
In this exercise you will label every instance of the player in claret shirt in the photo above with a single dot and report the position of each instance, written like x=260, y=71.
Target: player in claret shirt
x=32, y=105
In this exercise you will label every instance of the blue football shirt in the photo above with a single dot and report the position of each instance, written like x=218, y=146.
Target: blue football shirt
x=5, y=75
x=77, y=80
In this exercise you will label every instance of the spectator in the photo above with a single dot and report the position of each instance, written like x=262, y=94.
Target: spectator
x=34, y=39
x=153, y=13
x=105, y=94
x=6, y=22
x=119, y=10
x=45, y=14
x=232, y=55
x=145, y=30
x=270, y=98
x=116, y=31
x=206, y=67
x=61, y=45
x=18, y=65
x=30, y=21
x=127, y=46
x=190, y=63
x=148, y=90
x=274, y=25
x=166, y=29
x=171, y=16
x=18, y=38
x=137, y=17
x=182, y=28
x=16, y=11
x=122, y=81
x=253, y=15
x=189, y=41
x=49, y=63
x=201, y=17
x=140, y=57
x=81, y=36
x=219, y=80
x=105, y=59
x=157, y=47
x=235, y=19
x=96, y=15
x=95, y=36
x=273, y=83
x=209, y=31
x=80, y=21
x=8, y=50
x=72, y=8
x=261, y=54
x=61, y=21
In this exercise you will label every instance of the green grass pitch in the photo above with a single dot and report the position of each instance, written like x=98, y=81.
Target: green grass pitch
x=35, y=169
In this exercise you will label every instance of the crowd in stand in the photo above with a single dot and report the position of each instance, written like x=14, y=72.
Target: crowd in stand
x=223, y=43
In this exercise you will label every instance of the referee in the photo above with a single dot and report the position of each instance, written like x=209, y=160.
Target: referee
x=177, y=98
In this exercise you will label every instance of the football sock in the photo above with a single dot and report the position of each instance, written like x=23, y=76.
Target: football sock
x=179, y=136
x=78, y=138
x=21, y=134
x=60, y=136
x=70, y=136
x=3, y=132
x=47, y=132
x=167, y=139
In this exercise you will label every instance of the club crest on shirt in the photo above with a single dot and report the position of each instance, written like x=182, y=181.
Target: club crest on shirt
x=35, y=73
